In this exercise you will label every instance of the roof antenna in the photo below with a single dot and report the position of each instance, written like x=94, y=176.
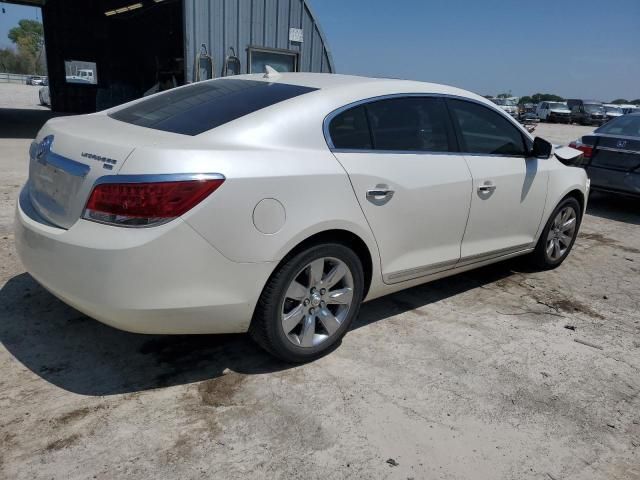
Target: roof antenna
x=270, y=72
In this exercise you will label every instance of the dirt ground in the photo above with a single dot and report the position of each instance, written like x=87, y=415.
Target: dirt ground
x=479, y=376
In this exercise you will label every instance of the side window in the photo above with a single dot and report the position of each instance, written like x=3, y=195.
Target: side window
x=350, y=130
x=485, y=131
x=409, y=124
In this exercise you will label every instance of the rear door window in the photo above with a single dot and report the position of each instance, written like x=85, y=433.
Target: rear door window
x=410, y=124
x=350, y=130
x=484, y=131
x=196, y=108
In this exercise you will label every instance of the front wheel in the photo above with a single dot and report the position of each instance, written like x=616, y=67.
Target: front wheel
x=558, y=236
x=308, y=303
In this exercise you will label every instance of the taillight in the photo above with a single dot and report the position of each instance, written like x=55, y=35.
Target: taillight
x=146, y=204
x=587, y=150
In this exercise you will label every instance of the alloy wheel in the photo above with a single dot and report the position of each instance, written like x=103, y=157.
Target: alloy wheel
x=317, y=302
x=561, y=233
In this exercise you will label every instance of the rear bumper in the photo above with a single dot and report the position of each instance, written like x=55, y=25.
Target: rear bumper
x=614, y=180
x=162, y=280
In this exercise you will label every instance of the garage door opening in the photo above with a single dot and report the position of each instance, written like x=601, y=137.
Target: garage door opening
x=107, y=52
x=145, y=51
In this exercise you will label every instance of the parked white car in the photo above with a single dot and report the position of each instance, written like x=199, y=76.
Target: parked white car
x=45, y=96
x=612, y=111
x=554, y=112
x=509, y=105
x=277, y=205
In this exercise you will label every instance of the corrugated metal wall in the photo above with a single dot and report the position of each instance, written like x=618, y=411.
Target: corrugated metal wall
x=221, y=24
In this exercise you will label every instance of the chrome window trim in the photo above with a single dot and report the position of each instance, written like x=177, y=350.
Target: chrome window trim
x=328, y=118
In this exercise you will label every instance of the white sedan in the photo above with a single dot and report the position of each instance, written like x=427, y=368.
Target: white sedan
x=277, y=204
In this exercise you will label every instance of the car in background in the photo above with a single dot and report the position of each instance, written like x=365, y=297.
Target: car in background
x=612, y=155
x=629, y=108
x=612, y=111
x=587, y=112
x=45, y=96
x=34, y=80
x=200, y=223
x=509, y=105
x=556, y=112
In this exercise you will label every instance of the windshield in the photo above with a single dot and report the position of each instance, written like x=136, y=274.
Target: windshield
x=626, y=126
x=593, y=108
x=613, y=110
x=557, y=105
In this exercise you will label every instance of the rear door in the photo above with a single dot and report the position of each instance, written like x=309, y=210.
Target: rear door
x=509, y=187
x=413, y=186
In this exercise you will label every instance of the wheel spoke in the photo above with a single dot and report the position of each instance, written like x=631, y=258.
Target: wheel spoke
x=316, y=269
x=565, y=239
x=308, y=331
x=340, y=297
x=556, y=248
x=329, y=321
x=336, y=274
x=292, y=319
x=550, y=248
x=568, y=224
x=296, y=291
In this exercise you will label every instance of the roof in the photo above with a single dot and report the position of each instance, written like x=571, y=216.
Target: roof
x=326, y=81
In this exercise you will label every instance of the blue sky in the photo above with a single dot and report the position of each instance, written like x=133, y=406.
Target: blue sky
x=10, y=19
x=574, y=48
x=582, y=48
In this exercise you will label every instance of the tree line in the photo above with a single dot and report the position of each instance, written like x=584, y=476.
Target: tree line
x=27, y=56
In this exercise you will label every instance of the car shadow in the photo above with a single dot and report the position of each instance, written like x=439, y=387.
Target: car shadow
x=81, y=355
x=23, y=122
x=614, y=207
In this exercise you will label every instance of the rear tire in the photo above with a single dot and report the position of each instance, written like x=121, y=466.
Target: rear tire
x=558, y=236
x=309, y=303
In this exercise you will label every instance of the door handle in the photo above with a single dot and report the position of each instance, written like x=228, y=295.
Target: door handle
x=380, y=195
x=486, y=188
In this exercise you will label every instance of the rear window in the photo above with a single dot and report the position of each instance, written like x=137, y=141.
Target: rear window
x=627, y=126
x=203, y=106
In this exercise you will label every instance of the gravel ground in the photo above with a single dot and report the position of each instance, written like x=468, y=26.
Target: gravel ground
x=476, y=376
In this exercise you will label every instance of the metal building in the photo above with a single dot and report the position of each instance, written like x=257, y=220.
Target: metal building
x=102, y=53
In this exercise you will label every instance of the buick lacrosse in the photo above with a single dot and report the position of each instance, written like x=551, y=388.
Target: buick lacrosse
x=277, y=204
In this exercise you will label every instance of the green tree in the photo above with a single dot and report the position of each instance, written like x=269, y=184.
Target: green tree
x=12, y=62
x=525, y=99
x=636, y=101
x=505, y=95
x=546, y=97
x=619, y=101
x=28, y=37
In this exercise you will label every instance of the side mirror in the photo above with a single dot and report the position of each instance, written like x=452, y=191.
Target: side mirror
x=541, y=148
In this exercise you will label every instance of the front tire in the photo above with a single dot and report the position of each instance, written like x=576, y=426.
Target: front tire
x=308, y=303
x=558, y=236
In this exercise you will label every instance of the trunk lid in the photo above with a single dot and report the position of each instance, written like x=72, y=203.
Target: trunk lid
x=614, y=152
x=68, y=156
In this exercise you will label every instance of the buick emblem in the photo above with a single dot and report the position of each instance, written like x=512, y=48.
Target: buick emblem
x=621, y=143
x=44, y=147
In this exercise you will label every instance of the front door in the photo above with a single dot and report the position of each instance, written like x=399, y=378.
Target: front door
x=413, y=187
x=509, y=186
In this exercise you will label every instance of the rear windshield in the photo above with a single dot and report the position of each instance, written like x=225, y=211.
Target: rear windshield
x=203, y=106
x=627, y=126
